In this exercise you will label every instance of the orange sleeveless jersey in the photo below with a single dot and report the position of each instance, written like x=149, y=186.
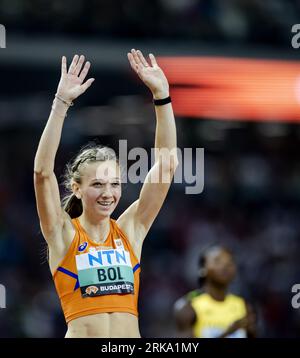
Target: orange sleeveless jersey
x=72, y=284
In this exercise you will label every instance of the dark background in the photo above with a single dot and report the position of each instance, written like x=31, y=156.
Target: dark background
x=251, y=199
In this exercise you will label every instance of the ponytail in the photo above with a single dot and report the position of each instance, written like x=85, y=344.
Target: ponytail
x=73, y=206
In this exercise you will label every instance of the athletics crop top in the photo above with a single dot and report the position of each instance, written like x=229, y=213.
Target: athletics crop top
x=98, y=277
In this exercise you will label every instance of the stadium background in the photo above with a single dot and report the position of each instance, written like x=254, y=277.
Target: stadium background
x=251, y=199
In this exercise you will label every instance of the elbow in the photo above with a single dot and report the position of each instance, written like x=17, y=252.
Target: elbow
x=170, y=165
x=42, y=170
x=41, y=174
x=168, y=168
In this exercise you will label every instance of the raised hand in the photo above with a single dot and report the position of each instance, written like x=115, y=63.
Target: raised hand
x=71, y=83
x=151, y=74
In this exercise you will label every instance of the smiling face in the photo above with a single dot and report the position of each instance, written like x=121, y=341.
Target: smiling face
x=100, y=188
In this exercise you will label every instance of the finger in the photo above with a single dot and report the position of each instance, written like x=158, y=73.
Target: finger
x=142, y=58
x=87, y=84
x=152, y=60
x=140, y=69
x=135, y=56
x=132, y=62
x=63, y=65
x=73, y=64
x=79, y=65
x=84, y=71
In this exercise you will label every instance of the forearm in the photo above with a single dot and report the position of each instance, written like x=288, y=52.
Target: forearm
x=71, y=85
x=156, y=81
x=50, y=139
x=165, y=136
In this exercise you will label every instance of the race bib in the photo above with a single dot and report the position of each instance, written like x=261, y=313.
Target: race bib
x=105, y=272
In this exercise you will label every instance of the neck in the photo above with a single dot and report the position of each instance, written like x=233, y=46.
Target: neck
x=97, y=229
x=217, y=292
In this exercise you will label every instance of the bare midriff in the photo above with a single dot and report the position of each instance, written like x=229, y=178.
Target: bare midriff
x=104, y=325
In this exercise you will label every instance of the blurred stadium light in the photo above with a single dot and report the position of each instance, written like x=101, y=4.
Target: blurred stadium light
x=234, y=88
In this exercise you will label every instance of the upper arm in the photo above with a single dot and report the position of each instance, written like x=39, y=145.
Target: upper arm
x=185, y=316
x=134, y=233
x=139, y=216
x=153, y=194
x=48, y=204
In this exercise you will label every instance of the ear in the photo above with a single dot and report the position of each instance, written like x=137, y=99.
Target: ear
x=76, y=190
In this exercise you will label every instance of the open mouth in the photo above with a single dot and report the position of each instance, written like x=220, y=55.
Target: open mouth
x=105, y=204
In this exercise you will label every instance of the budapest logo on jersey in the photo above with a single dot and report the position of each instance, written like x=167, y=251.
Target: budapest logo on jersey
x=90, y=290
x=82, y=247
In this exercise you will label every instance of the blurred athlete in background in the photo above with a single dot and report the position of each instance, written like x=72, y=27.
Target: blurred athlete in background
x=211, y=311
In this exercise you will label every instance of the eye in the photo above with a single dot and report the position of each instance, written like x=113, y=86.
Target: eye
x=97, y=185
x=116, y=184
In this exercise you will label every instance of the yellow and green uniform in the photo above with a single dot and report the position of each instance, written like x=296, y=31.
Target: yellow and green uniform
x=214, y=317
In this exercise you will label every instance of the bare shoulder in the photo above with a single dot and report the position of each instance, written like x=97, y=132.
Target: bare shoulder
x=134, y=232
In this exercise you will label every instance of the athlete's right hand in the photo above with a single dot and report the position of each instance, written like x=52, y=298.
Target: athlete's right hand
x=71, y=83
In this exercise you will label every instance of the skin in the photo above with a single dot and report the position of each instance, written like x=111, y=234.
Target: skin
x=220, y=270
x=96, y=186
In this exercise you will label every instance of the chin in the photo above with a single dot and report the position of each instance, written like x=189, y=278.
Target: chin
x=106, y=213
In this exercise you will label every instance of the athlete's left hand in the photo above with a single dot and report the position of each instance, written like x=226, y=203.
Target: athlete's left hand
x=151, y=74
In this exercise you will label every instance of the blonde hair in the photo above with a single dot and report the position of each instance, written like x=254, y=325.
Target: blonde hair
x=88, y=154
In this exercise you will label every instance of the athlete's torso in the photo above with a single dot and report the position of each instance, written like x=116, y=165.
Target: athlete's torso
x=98, y=324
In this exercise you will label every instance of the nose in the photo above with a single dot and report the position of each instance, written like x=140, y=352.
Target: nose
x=107, y=192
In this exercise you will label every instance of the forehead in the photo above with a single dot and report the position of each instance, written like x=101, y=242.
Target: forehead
x=101, y=170
x=219, y=253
